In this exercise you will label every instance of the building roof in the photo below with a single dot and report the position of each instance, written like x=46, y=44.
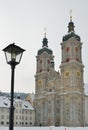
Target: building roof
x=5, y=102
x=71, y=32
x=70, y=35
x=45, y=47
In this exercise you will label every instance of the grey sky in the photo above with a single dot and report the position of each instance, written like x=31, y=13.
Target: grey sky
x=23, y=22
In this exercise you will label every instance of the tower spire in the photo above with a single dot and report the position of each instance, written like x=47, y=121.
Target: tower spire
x=45, y=41
x=71, y=24
x=71, y=15
x=71, y=32
x=45, y=32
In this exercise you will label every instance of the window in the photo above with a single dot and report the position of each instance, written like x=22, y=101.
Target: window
x=40, y=61
x=20, y=111
x=67, y=60
x=16, y=117
x=7, y=123
x=57, y=101
x=30, y=112
x=7, y=116
x=26, y=106
x=50, y=90
x=76, y=49
x=48, y=61
x=30, y=118
x=22, y=117
x=30, y=123
x=26, y=112
x=2, y=110
x=23, y=111
x=2, y=123
x=26, y=118
x=49, y=110
x=16, y=111
x=49, y=101
x=7, y=110
x=67, y=49
x=40, y=70
x=2, y=116
x=20, y=105
x=26, y=123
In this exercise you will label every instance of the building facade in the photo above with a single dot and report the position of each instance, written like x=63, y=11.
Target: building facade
x=24, y=113
x=86, y=110
x=59, y=96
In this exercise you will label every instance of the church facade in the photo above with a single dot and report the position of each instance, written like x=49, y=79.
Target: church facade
x=59, y=96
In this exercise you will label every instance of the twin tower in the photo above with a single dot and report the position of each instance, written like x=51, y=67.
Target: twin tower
x=59, y=96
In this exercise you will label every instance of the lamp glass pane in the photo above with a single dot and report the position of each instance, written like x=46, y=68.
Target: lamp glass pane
x=8, y=57
x=18, y=57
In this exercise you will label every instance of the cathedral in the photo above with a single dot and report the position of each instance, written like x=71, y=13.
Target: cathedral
x=59, y=96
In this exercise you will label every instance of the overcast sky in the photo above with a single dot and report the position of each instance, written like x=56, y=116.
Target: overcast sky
x=23, y=22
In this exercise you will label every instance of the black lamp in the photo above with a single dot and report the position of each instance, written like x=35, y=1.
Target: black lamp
x=13, y=56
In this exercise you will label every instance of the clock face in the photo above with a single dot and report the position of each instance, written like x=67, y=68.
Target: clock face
x=66, y=74
x=40, y=82
x=78, y=74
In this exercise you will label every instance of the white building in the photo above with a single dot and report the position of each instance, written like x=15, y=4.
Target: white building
x=24, y=113
x=59, y=95
x=86, y=110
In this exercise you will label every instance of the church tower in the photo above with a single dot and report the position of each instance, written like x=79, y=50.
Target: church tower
x=72, y=84
x=59, y=97
x=44, y=63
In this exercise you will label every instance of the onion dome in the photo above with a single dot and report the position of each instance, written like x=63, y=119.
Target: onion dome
x=71, y=32
x=45, y=47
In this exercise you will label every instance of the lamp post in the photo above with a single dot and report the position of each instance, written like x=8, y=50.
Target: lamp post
x=13, y=56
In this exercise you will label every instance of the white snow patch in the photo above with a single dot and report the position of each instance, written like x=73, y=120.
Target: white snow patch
x=45, y=128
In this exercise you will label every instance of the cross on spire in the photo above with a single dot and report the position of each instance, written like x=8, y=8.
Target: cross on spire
x=45, y=32
x=70, y=15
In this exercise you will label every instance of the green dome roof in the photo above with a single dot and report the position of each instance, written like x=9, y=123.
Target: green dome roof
x=45, y=47
x=49, y=51
x=71, y=33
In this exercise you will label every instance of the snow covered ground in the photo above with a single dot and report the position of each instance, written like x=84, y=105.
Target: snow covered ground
x=45, y=128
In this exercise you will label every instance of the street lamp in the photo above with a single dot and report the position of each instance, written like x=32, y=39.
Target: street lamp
x=13, y=56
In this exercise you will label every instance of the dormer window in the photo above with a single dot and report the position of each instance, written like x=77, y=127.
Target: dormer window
x=26, y=106
x=5, y=104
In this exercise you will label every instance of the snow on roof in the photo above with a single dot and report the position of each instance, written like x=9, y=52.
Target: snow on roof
x=27, y=105
x=47, y=128
x=5, y=102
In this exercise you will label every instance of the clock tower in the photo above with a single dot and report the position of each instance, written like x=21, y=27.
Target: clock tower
x=72, y=84
x=59, y=97
x=44, y=65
